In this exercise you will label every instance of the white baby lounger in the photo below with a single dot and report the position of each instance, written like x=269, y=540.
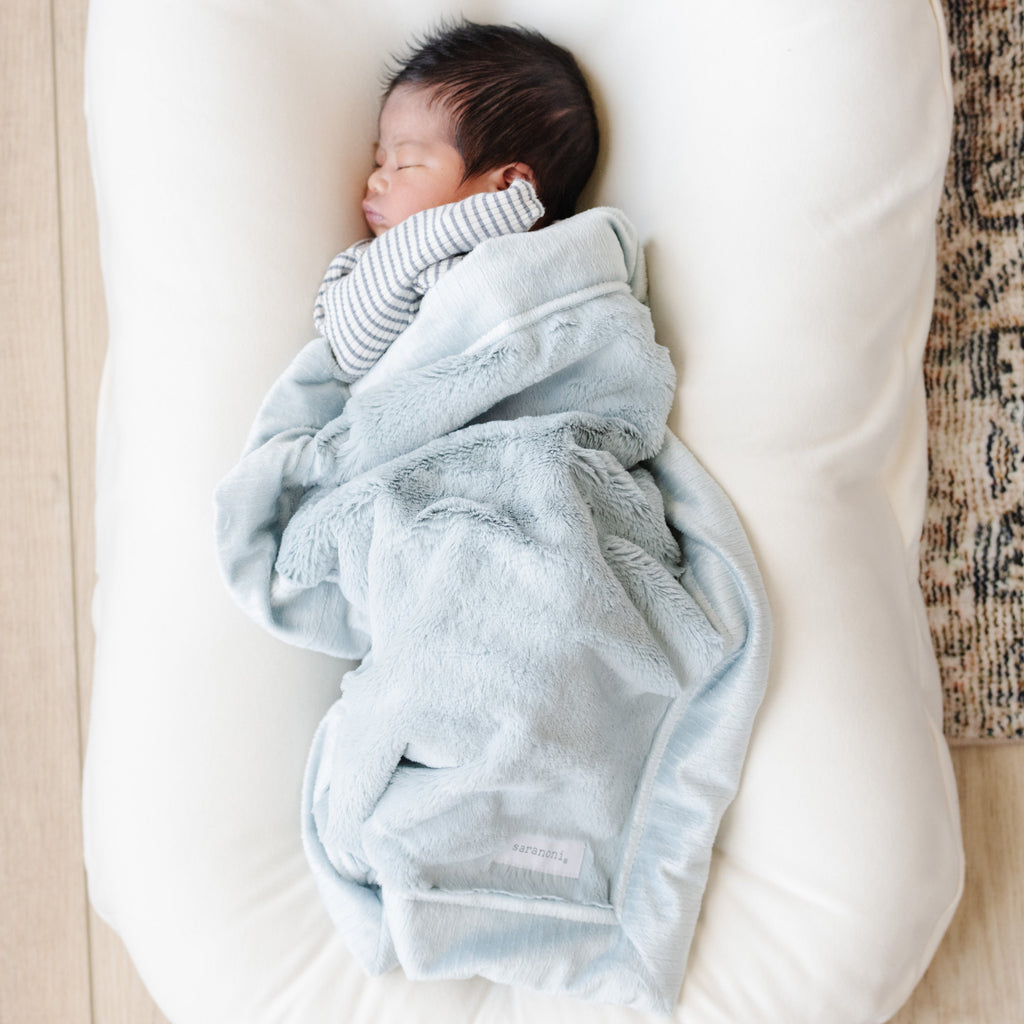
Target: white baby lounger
x=782, y=164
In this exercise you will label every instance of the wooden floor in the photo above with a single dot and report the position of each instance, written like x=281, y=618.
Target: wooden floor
x=58, y=963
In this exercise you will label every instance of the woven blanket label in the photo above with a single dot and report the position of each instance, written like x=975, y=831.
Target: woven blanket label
x=542, y=853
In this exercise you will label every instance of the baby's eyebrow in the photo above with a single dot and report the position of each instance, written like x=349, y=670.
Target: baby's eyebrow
x=400, y=144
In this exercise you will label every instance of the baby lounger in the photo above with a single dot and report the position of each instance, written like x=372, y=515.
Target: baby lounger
x=782, y=164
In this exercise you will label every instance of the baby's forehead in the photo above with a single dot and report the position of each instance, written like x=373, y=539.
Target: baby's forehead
x=414, y=115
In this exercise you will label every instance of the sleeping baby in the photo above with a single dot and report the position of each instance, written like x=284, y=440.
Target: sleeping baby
x=473, y=111
x=465, y=485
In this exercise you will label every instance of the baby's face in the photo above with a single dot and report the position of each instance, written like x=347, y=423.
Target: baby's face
x=417, y=164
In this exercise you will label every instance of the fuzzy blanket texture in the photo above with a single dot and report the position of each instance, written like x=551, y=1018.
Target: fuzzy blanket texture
x=972, y=565
x=562, y=634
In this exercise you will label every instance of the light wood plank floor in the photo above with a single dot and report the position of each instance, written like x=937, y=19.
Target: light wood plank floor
x=58, y=963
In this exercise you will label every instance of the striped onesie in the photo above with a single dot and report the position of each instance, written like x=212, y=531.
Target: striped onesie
x=372, y=291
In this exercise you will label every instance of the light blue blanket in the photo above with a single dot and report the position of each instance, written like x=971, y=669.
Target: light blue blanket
x=562, y=631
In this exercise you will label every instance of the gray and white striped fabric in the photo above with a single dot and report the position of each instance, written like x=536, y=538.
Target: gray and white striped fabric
x=372, y=291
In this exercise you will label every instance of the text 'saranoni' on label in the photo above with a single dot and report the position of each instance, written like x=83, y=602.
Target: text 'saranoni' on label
x=562, y=857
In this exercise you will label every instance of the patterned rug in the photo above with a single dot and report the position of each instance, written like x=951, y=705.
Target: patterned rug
x=972, y=561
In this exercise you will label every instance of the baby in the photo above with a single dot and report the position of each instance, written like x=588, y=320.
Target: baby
x=536, y=579
x=485, y=130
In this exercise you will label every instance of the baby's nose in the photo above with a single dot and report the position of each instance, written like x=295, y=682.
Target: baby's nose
x=377, y=181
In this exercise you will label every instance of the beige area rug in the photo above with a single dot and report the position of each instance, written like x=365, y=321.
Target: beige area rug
x=972, y=559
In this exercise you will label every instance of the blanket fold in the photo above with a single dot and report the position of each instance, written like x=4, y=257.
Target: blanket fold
x=563, y=638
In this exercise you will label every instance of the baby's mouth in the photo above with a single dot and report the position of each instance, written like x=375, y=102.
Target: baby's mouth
x=374, y=219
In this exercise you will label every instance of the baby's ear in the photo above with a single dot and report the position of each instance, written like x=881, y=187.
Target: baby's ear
x=517, y=172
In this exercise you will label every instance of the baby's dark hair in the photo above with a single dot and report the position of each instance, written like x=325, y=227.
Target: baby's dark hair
x=514, y=97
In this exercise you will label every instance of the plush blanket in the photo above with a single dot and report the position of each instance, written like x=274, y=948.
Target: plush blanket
x=561, y=633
